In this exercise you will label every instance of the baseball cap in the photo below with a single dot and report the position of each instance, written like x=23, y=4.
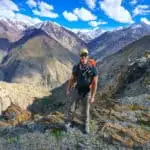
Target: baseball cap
x=84, y=51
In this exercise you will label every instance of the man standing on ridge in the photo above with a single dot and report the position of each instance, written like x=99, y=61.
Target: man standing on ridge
x=85, y=75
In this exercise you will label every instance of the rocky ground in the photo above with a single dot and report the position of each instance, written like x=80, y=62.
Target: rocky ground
x=120, y=116
x=113, y=126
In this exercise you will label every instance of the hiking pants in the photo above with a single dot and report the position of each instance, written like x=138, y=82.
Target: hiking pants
x=80, y=107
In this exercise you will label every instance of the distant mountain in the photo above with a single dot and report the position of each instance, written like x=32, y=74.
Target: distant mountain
x=10, y=31
x=13, y=32
x=88, y=35
x=38, y=59
x=112, y=41
x=63, y=36
x=127, y=69
x=99, y=43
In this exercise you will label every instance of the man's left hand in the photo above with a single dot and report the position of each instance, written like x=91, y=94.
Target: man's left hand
x=91, y=100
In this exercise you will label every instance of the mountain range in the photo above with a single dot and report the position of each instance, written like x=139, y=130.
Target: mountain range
x=112, y=41
x=49, y=50
x=36, y=63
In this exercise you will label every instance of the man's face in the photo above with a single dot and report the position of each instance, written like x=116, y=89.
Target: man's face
x=84, y=58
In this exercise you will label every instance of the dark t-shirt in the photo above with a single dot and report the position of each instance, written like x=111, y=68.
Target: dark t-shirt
x=84, y=75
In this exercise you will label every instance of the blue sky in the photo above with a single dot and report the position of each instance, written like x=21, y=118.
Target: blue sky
x=78, y=14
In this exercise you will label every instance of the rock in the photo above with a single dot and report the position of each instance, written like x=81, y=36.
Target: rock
x=22, y=95
x=5, y=99
x=14, y=115
x=53, y=118
x=144, y=119
x=4, y=124
x=126, y=135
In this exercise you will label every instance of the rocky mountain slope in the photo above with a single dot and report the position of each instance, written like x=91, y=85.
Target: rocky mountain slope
x=120, y=116
x=12, y=31
x=9, y=32
x=20, y=94
x=121, y=109
x=112, y=41
x=40, y=64
x=38, y=59
x=129, y=55
x=63, y=36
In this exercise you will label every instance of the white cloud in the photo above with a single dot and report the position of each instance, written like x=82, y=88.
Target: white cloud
x=32, y=3
x=91, y=3
x=26, y=19
x=84, y=14
x=133, y=2
x=45, y=10
x=96, y=23
x=45, y=14
x=45, y=6
x=141, y=10
x=145, y=20
x=8, y=5
x=79, y=13
x=116, y=11
x=70, y=16
x=6, y=13
x=9, y=10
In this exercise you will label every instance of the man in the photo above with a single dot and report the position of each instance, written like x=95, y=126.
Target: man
x=85, y=75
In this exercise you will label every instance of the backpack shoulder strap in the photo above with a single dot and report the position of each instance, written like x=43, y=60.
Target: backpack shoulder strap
x=76, y=68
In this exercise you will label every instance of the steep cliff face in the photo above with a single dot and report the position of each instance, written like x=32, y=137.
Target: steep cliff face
x=134, y=54
x=20, y=94
x=112, y=41
x=63, y=36
x=38, y=59
x=9, y=32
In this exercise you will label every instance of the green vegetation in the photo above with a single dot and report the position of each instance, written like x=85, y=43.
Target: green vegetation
x=148, y=98
x=133, y=107
x=147, y=54
x=92, y=125
x=58, y=133
x=144, y=126
x=13, y=139
x=147, y=81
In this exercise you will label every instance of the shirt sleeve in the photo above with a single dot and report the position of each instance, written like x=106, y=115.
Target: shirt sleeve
x=95, y=72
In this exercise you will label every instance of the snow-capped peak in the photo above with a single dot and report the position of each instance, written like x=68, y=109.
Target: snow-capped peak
x=87, y=34
x=14, y=23
x=135, y=26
